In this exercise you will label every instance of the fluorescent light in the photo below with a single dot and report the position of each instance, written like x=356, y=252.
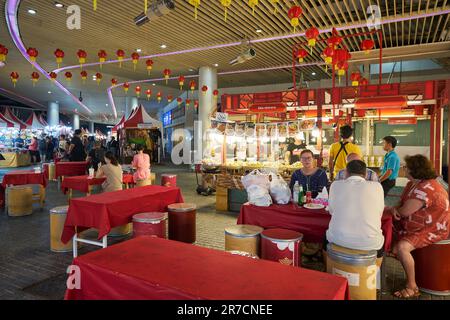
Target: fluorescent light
x=59, y=5
x=313, y=74
x=139, y=50
x=258, y=30
x=32, y=11
x=163, y=46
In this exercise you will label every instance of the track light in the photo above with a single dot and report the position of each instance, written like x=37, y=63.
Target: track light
x=156, y=10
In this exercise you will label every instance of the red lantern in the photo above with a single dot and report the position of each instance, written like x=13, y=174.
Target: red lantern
x=367, y=45
x=149, y=64
x=33, y=54
x=138, y=91
x=59, y=55
x=312, y=34
x=53, y=76
x=196, y=104
x=14, y=78
x=159, y=97
x=149, y=94
x=3, y=53
x=181, y=82
x=179, y=101
x=169, y=98
x=294, y=14
x=34, y=78
x=188, y=102
x=98, y=77
x=114, y=81
x=301, y=55
x=166, y=75
x=126, y=87
x=342, y=67
x=363, y=82
x=84, y=76
x=355, y=77
x=328, y=54
x=340, y=55
x=82, y=55
x=102, y=57
x=335, y=39
x=253, y=4
x=120, y=56
x=192, y=85
x=68, y=75
x=204, y=90
x=135, y=56
x=215, y=95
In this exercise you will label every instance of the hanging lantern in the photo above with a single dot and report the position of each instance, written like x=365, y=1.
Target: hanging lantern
x=188, y=102
x=312, y=34
x=53, y=76
x=149, y=94
x=196, y=104
x=169, y=98
x=102, y=57
x=192, y=85
x=98, y=77
x=226, y=4
x=82, y=55
x=34, y=78
x=179, y=101
x=59, y=55
x=342, y=68
x=301, y=55
x=367, y=45
x=159, y=97
x=328, y=54
x=215, y=96
x=149, y=64
x=253, y=4
x=355, y=77
x=166, y=75
x=14, y=78
x=275, y=5
x=340, y=56
x=135, y=56
x=84, y=76
x=120, y=56
x=196, y=4
x=204, y=90
x=138, y=91
x=3, y=53
x=335, y=40
x=33, y=54
x=114, y=81
x=294, y=14
x=363, y=82
x=181, y=82
x=68, y=75
x=126, y=87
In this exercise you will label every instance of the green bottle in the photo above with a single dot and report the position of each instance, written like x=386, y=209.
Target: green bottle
x=301, y=196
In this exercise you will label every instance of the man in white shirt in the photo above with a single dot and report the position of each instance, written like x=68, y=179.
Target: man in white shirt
x=356, y=206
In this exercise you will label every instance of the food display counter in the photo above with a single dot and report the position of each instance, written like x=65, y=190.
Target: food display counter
x=14, y=159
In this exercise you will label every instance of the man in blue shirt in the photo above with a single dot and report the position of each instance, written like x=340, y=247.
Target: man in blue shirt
x=391, y=164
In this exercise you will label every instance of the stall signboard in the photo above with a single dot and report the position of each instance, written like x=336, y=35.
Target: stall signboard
x=272, y=108
x=397, y=121
x=146, y=125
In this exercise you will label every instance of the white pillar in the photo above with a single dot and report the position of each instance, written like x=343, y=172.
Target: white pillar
x=91, y=127
x=53, y=113
x=208, y=77
x=76, y=121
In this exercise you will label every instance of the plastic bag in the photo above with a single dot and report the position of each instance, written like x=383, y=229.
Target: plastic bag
x=279, y=190
x=259, y=196
x=257, y=178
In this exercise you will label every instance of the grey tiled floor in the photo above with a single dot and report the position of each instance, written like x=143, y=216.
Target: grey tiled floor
x=28, y=270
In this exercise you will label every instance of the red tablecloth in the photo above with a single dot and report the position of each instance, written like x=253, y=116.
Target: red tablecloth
x=159, y=269
x=312, y=223
x=70, y=169
x=82, y=183
x=21, y=177
x=112, y=209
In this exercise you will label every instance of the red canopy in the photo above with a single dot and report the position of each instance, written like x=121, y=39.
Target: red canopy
x=119, y=125
x=141, y=119
x=5, y=123
x=33, y=122
x=12, y=118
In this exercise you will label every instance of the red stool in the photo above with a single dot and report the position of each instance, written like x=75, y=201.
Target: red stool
x=150, y=224
x=281, y=245
x=182, y=222
x=169, y=180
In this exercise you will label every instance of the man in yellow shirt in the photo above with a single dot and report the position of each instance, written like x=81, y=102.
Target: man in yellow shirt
x=340, y=150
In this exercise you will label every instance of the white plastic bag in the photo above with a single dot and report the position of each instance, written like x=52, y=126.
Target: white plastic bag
x=257, y=178
x=259, y=196
x=279, y=190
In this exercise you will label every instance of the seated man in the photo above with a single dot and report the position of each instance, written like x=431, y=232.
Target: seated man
x=356, y=207
x=370, y=175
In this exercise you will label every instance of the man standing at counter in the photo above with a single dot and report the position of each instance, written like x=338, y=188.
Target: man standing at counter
x=391, y=165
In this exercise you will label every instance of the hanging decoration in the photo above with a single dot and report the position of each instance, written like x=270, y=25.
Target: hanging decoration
x=188, y=102
x=169, y=98
x=98, y=77
x=135, y=56
x=181, y=82
x=294, y=14
x=138, y=91
x=204, y=90
x=94, y=4
x=342, y=67
x=59, y=55
x=145, y=6
x=301, y=55
x=120, y=56
x=328, y=54
x=215, y=96
x=166, y=73
x=149, y=94
x=253, y=4
x=33, y=54
x=159, y=96
x=226, y=4
x=363, y=82
x=69, y=76
x=3, y=53
x=275, y=5
x=53, y=76
x=340, y=55
x=367, y=45
x=196, y=4
x=149, y=64
x=126, y=87
x=179, y=101
x=114, y=81
x=84, y=76
x=192, y=85
x=14, y=78
x=312, y=34
x=196, y=104
x=34, y=78
x=355, y=77
x=102, y=57
x=82, y=55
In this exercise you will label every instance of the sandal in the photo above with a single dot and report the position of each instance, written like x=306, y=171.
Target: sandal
x=406, y=293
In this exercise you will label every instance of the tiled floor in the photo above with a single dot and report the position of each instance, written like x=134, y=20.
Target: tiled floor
x=28, y=270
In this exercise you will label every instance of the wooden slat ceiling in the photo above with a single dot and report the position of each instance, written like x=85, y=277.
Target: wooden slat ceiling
x=111, y=27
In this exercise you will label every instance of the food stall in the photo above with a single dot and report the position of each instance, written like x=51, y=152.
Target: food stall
x=13, y=154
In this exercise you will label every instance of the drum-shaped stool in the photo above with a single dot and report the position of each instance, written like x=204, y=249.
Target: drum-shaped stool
x=182, y=219
x=57, y=219
x=153, y=178
x=244, y=238
x=169, y=180
x=359, y=267
x=243, y=254
x=281, y=245
x=150, y=224
x=19, y=201
x=432, y=268
x=143, y=183
x=121, y=231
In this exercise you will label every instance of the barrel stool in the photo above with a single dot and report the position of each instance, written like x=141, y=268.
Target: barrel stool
x=143, y=183
x=169, y=180
x=121, y=231
x=153, y=178
x=150, y=224
x=243, y=254
x=19, y=201
x=281, y=245
x=242, y=237
x=57, y=219
x=432, y=268
x=182, y=219
x=359, y=267
x=38, y=194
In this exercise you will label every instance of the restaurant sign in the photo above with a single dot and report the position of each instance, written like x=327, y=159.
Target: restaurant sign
x=396, y=121
x=272, y=108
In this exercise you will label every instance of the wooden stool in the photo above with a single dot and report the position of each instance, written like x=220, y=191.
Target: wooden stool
x=19, y=201
x=57, y=219
x=281, y=245
x=358, y=266
x=182, y=222
x=121, y=231
x=245, y=238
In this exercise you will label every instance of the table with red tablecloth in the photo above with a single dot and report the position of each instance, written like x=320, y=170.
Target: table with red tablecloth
x=21, y=177
x=70, y=169
x=83, y=183
x=149, y=268
x=313, y=224
x=112, y=209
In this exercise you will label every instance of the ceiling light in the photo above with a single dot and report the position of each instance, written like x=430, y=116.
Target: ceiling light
x=59, y=5
x=106, y=104
x=216, y=64
x=313, y=74
x=154, y=84
x=163, y=46
x=191, y=70
x=138, y=50
x=49, y=92
x=258, y=30
x=32, y=11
